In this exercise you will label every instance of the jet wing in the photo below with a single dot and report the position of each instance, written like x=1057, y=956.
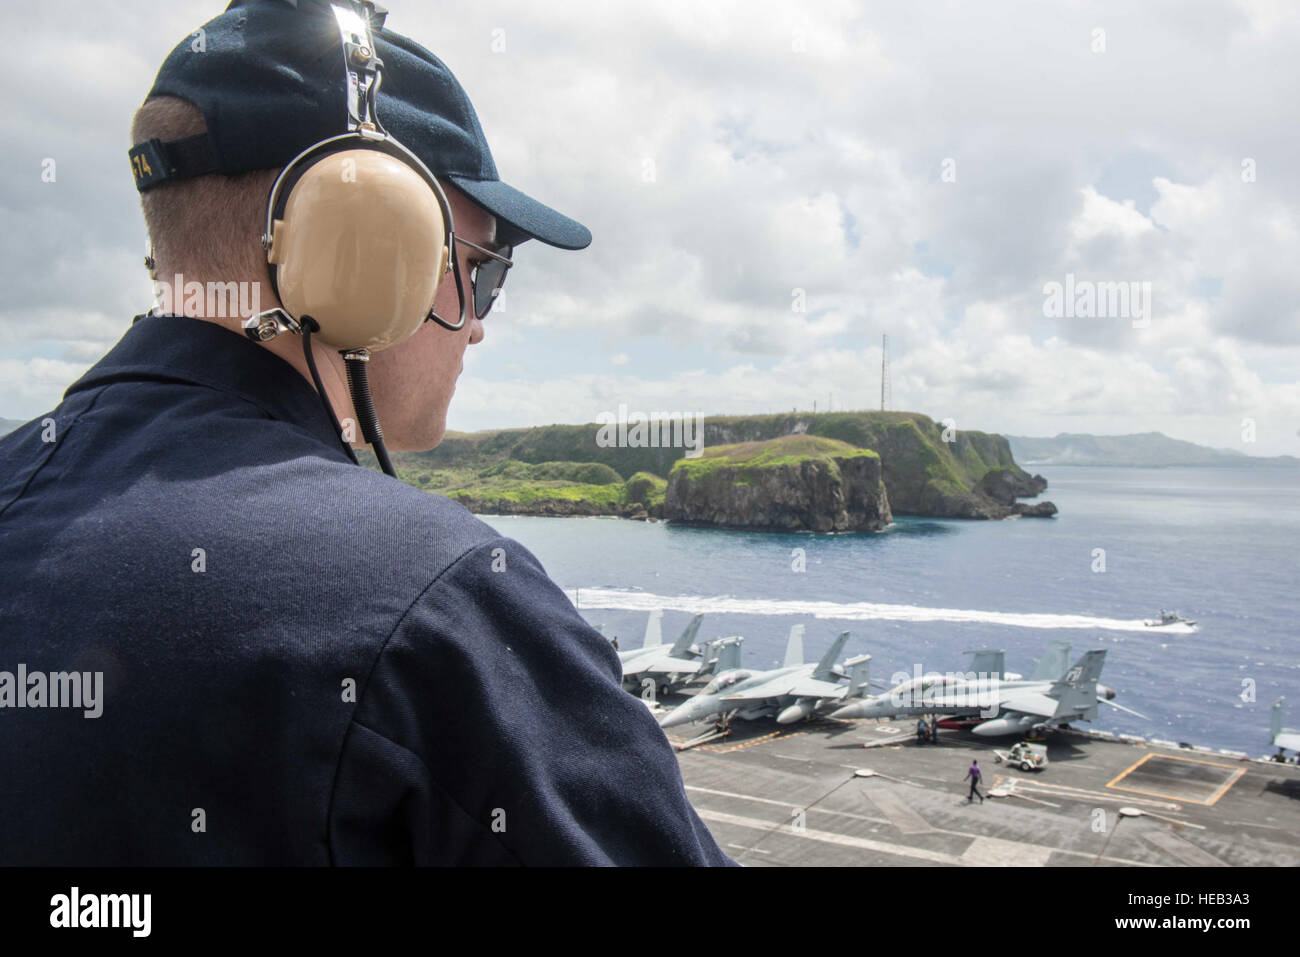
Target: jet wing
x=752, y=694
x=647, y=659
x=774, y=688
x=632, y=655
x=1039, y=705
x=671, y=666
x=816, y=688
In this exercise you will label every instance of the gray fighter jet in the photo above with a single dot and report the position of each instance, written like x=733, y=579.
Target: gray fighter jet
x=1006, y=707
x=791, y=692
x=661, y=667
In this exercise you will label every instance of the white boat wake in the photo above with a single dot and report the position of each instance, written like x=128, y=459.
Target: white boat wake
x=624, y=600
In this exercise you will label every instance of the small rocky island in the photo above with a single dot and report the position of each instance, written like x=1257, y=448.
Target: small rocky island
x=1004, y=486
x=791, y=484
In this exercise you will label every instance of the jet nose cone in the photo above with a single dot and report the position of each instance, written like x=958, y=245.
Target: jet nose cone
x=675, y=717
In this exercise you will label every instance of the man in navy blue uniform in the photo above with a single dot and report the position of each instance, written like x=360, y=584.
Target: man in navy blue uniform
x=222, y=641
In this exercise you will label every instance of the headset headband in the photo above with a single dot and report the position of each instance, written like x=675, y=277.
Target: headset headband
x=361, y=63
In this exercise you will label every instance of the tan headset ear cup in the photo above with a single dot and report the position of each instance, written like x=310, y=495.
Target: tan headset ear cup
x=361, y=248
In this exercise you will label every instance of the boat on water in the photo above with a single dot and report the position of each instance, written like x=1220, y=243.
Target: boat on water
x=1168, y=618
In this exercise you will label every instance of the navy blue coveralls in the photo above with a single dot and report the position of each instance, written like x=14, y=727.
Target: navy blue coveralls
x=304, y=661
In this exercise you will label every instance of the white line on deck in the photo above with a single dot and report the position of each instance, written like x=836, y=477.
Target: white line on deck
x=1181, y=849
x=826, y=837
x=787, y=805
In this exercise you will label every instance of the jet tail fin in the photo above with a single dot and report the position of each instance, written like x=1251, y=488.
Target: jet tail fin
x=1076, y=690
x=794, y=647
x=1053, y=663
x=859, y=677
x=825, y=667
x=1287, y=739
x=687, y=638
x=728, y=654
x=989, y=661
x=654, y=636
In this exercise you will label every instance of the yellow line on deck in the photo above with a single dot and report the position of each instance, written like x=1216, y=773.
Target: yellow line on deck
x=1236, y=775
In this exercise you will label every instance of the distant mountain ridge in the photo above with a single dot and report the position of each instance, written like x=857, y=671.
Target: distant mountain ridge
x=8, y=425
x=1141, y=450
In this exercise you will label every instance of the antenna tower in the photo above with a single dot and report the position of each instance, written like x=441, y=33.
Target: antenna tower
x=885, y=397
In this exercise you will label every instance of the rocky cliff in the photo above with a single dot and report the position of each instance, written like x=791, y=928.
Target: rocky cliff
x=793, y=483
x=1004, y=486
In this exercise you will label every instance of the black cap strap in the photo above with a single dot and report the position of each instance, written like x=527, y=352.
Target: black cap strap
x=155, y=162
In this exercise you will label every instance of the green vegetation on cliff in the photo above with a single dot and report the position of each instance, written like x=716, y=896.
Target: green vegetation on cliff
x=745, y=459
x=577, y=488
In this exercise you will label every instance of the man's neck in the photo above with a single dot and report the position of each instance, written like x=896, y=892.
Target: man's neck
x=329, y=363
x=244, y=291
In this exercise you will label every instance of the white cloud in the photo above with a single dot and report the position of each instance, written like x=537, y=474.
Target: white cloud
x=35, y=385
x=790, y=151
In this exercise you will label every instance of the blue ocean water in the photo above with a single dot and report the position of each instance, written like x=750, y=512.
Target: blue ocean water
x=1218, y=545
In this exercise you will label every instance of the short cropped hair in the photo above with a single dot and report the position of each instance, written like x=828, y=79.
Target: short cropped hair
x=209, y=227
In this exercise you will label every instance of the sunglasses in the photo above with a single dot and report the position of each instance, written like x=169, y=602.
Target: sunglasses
x=486, y=277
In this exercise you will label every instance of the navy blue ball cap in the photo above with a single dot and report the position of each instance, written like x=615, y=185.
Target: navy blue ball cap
x=268, y=76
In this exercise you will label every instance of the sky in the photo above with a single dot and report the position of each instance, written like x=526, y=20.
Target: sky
x=771, y=187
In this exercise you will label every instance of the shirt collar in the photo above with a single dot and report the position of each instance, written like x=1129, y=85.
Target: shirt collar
x=180, y=348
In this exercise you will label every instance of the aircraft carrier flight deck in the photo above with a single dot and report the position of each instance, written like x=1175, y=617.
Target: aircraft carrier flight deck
x=866, y=793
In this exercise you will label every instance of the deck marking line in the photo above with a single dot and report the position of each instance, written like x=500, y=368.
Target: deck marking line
x=1181, y=849
x=995, y=852
x=897, y=850
x=1232, y=779
x=788, y=805
x=899, y=812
